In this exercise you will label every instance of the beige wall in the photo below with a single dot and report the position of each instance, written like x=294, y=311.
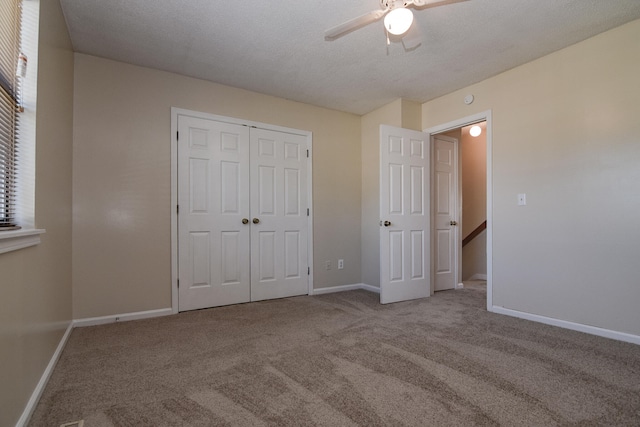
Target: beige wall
x=35, y=291
x=411, y=115
x=121, y=181
x=566, y=133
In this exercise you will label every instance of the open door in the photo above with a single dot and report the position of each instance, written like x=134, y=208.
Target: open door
x=404, y=215
x=446, y=242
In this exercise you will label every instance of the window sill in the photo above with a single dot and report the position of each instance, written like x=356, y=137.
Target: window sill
x=19, y=239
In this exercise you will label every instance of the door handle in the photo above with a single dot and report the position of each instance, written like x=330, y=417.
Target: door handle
x=256, y=221
x=453, y=223
x=245, y=221
x=387, y=223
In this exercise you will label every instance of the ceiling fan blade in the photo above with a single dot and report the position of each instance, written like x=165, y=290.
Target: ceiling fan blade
x=354, y=24
x=425, y=4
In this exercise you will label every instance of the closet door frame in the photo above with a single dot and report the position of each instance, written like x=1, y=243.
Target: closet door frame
x=175, y=113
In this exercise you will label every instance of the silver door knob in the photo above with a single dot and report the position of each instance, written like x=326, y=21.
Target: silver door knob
x=453, y=223
x=387, y=223
x=256, y=221
x=245, y=221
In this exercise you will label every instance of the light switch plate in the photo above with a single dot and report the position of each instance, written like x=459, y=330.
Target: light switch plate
x=522, y=199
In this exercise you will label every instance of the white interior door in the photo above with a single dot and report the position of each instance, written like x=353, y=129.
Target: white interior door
x=278, y=214
x=213, y=199
x=445, y=211
x=404, y=215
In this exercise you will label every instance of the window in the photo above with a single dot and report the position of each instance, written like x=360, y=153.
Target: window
x=10, y=93
x=19, y=22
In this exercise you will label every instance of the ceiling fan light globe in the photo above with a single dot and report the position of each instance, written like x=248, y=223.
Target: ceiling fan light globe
x=398, y=21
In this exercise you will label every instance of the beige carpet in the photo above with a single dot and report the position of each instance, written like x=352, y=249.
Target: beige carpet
x=342, y=359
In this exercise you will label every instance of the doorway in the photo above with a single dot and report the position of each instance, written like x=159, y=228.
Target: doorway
x=478, y=237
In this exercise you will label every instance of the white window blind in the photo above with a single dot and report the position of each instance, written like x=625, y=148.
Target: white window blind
x=10, y=29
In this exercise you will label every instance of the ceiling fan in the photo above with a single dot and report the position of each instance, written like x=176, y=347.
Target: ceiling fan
x=397, y=17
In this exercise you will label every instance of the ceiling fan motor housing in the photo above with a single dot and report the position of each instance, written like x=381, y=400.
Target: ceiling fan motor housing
x=393, y=4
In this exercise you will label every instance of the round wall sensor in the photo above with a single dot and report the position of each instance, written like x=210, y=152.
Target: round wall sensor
x=468, y=99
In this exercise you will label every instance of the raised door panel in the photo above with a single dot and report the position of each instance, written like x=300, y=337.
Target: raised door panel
x=292, y=192
x=396, y=189
x=292, y=261
x=200, y=249
x=266, y=257
x=396, y=256
x=231, y=247
x=417, y=254
x=230, y=188
x=417, y=190
x=267, y=190
x=199, y=179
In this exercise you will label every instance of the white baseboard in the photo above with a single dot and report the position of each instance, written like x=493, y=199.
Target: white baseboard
x=343, y=288
x=478, y=276
x=370, y=288
x=93, y=321
x=44, y=379
x=593, y=330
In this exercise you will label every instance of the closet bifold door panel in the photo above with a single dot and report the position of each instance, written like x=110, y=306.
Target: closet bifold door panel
x=242, y=219
x=279, y=215
x=213, y=198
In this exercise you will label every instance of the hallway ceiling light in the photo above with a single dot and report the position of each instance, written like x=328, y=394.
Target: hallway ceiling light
x=398, y=21
x=475, y=131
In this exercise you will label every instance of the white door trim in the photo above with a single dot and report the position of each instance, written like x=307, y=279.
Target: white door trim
x=482, y=116
x=175, y=112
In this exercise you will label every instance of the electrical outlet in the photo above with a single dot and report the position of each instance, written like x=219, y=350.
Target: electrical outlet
x=340, y=264
x=327, y=265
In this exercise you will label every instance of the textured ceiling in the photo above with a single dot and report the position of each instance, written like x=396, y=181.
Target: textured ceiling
x=278, y=47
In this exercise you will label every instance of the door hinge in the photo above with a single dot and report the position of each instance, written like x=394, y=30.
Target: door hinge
x=177, y=136
x=307, y=154
x=178, y=283
x=308, y=271
x=177, y=209
x=307, y=211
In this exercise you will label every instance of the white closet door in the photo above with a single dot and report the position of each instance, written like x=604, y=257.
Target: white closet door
x=213, y=198
x=278, y=214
